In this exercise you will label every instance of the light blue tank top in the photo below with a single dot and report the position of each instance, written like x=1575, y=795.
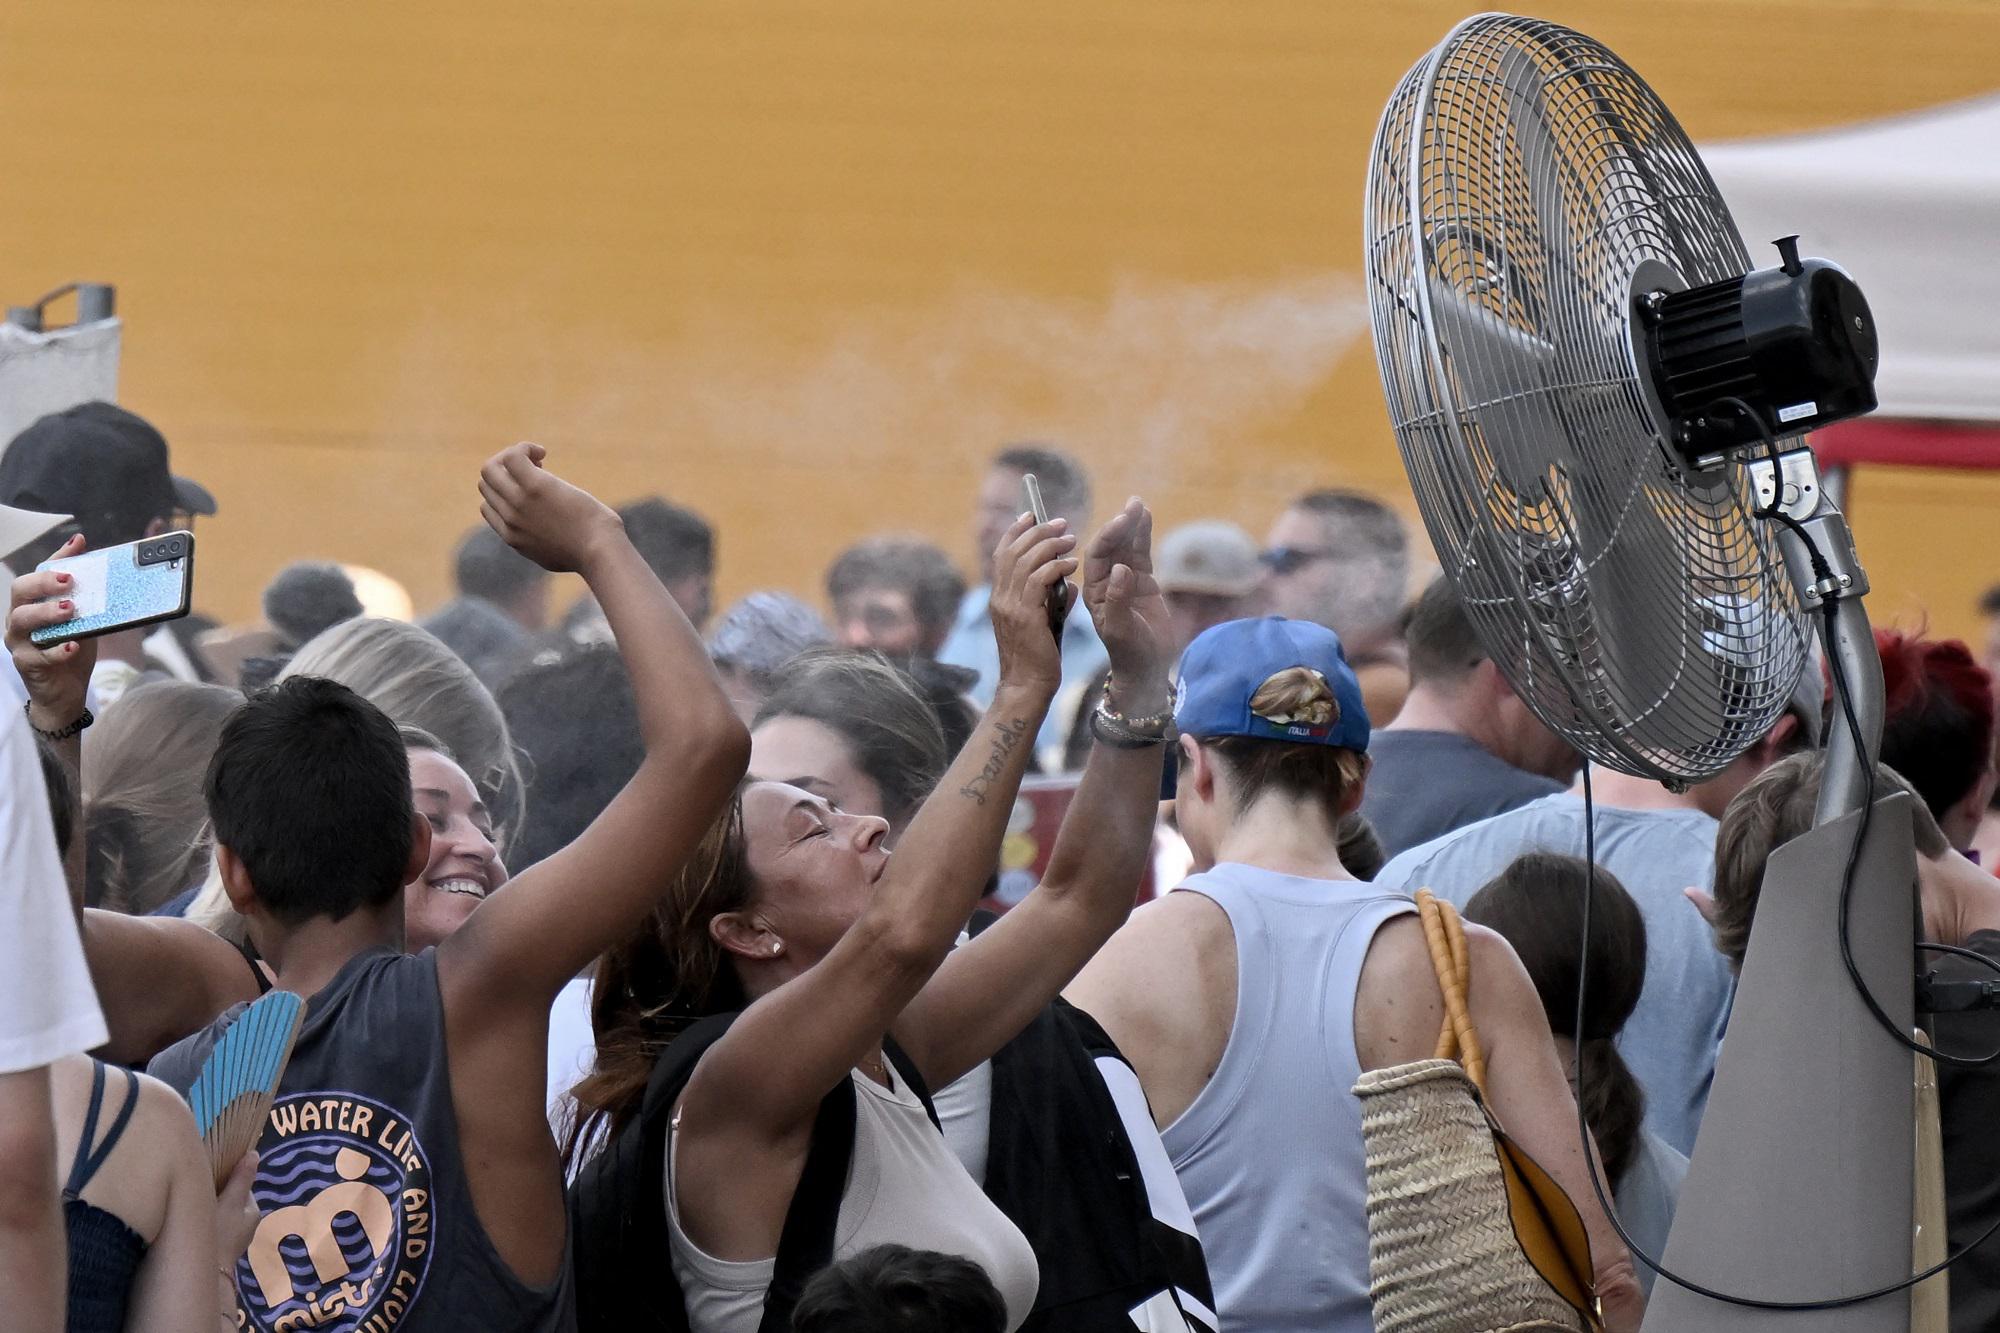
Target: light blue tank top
x=1269, y=1153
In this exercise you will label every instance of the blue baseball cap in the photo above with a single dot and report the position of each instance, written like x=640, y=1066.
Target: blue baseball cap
x=1225, y=667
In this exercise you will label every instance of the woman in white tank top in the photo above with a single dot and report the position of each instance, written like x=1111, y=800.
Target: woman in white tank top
x=794, y=913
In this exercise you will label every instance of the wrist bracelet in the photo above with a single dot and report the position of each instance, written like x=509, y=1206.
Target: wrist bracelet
x=1151, y=722
x=83, y=720
x=1121, y=734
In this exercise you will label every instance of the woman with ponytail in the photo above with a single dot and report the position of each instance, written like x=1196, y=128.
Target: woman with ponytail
x=1536, y=904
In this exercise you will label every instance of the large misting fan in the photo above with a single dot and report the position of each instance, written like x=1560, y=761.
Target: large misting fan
x=1600, y=405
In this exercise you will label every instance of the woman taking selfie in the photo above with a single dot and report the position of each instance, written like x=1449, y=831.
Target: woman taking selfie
x=852, y=999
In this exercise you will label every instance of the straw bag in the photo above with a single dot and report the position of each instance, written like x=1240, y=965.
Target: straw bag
x=1465, y=1233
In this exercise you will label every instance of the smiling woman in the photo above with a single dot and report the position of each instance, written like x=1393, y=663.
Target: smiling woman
x=464, y=865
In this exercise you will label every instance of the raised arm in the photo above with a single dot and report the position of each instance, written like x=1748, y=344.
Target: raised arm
x=990, y=989
x=542, y=928
x=157, y=978
x=761, y=1083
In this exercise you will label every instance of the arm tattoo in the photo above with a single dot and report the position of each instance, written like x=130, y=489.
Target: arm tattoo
x=1009, y=736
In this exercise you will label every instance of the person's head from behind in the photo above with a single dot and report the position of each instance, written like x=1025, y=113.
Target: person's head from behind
x=1065, y=492
x=104, y=465
x=848, y=726
x=1937, y=728
x=309, y=796
x=306, y=599
x=1451, y=676
x=679, y=545
x=1536, y=904
x=486, y=567
x=893, y=1289
x=1271, y=725
x=578, y=722
x=1341, y=559
x=464, y=865
x=1208, y=573
x=896, y=595
x=1799, y=728
x=1774, y=807
x=410, y=675
x=146, y=834
x=756, y=636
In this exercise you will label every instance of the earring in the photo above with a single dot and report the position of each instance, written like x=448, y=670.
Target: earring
x=776, y=948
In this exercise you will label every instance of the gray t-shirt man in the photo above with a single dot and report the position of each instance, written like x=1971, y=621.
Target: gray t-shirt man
x=1672, y=1037
x=1424, y=784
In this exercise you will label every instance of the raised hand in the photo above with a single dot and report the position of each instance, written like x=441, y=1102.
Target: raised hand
x=556, y=525
x=1029, y=560
x=1125, y=604
x=57, y=678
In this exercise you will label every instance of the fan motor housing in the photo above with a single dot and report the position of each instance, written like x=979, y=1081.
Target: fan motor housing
x=1778, y=351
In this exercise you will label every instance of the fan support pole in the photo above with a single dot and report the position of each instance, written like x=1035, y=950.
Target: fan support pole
x=1800, y=1188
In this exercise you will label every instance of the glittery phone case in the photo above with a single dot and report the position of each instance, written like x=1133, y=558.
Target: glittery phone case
x=114, y=590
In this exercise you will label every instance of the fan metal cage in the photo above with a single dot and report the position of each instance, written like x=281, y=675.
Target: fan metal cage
x=1525, y=192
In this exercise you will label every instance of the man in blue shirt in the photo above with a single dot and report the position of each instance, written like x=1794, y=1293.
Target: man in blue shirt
x=1066, y=492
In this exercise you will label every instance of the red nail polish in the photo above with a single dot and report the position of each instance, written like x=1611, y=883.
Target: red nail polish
x=63, y=579
x=67, y=606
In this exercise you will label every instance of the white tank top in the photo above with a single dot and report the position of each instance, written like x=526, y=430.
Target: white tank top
x=904, y=1187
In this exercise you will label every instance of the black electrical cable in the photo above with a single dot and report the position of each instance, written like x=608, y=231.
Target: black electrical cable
x=1597, y=1184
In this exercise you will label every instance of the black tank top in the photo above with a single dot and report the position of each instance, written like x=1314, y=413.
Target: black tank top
x=368, y=1220
x=104, y=1253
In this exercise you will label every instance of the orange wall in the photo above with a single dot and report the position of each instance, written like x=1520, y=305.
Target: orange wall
x=800, y=265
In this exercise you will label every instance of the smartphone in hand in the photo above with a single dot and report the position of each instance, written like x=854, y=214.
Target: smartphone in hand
x=119, y=587
x=1031, y=490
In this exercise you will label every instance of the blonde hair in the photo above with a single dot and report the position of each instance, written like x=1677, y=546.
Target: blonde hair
x=1297, y=694
x=145, y=826
x=412, y=676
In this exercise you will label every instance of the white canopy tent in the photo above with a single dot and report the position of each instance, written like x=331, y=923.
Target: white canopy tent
x=1910, y=206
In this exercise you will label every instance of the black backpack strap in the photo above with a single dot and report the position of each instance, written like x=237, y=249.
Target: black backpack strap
x=906, y=1069
x=619, y=1240
x=618, y=1216
x=806, y=1244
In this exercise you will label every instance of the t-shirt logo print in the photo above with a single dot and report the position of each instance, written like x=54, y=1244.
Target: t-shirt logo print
x=345, y=1241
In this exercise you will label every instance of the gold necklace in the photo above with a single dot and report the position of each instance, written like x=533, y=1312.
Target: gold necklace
x=875, y=1069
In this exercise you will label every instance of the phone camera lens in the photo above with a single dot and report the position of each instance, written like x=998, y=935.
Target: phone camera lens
x=174, y=546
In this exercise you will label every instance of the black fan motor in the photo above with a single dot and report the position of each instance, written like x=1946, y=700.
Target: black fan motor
x=1794, y=345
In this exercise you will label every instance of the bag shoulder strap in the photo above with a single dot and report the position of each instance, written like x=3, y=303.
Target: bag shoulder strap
x=1444, y=933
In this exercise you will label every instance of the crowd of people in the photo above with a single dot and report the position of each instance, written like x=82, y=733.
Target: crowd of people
x=652, y=973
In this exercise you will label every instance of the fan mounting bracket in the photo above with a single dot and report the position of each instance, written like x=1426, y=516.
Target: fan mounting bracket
x=1648, y=286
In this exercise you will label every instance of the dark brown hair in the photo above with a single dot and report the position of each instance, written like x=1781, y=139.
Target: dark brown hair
x=666, y=975
x=1536, y=903
x=891, y=731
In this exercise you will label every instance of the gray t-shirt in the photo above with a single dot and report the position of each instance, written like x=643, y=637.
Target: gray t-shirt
x=1424, y=784
x=1671, y=1039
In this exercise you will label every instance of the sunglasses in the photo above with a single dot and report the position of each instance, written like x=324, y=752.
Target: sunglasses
x=1291, y=559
